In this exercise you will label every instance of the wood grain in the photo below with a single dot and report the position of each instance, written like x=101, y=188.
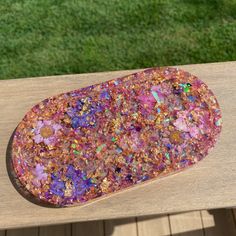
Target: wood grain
x=210, y=184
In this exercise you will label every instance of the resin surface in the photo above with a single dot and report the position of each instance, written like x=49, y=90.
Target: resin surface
x=94, y=141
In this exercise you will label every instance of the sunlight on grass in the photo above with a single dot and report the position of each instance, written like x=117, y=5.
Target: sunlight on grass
x=59, y=37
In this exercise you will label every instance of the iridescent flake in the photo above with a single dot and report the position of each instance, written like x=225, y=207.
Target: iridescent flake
x=81, y=145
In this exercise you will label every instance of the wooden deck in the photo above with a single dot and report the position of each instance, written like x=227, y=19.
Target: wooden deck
x=197, y=223
x=210, y=184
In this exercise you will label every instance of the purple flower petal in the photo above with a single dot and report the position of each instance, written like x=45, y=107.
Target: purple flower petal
x=47, y=122
x=39, y=172
x=56, y=127
x=50, y=140
x=181, y=124
x=38, y=138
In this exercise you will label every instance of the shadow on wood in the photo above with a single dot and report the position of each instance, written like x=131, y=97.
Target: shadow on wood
x=213, y=223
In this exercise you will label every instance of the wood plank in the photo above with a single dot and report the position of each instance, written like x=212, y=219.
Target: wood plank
x=156, y=197
x=153, y=225
x=91, y=228
x=121, y=227
x=58, y=230
x=234, y=212
x=23, y=232
x=218, y=222
x=186, y=224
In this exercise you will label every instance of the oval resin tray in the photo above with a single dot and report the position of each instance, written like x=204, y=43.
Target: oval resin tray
x=95, y=141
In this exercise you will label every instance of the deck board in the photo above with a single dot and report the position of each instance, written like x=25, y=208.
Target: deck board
x=92, y=228
x=33, y=231
x=57, y=230
x=208, y=223
x=153, y=225
x=121, y=227
x=162, y=196
x=218, y=222
x=189, y=223
x=234, y=213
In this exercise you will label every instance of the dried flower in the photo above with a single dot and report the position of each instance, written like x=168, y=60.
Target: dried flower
x=46, y=131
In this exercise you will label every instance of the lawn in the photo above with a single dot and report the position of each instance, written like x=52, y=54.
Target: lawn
x=48, y=37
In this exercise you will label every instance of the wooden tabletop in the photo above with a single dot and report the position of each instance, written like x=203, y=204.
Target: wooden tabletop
x=210, y=184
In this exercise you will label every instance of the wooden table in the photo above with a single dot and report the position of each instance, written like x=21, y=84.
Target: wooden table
x=210, y=184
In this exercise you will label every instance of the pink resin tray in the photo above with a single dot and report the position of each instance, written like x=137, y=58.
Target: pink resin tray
x=79, y=146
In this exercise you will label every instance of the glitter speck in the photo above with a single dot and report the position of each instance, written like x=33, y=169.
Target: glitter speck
x=155, y=95
x=186, y=89
x=76, y=152
x=192, y=98
x=218, y=122
x=99, y=148
x=167, y=155
x=113, y=139
x=175, y=137
x=118, y=150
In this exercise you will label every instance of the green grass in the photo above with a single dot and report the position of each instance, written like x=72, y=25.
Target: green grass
x=48, y=37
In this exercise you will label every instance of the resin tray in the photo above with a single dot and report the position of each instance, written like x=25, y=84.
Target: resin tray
x=88, y=143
